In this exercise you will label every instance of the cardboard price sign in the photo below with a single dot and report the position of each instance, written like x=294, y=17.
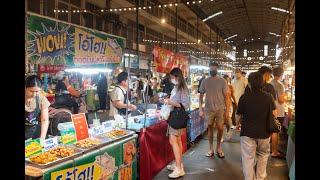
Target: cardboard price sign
x=32, y=147
x=81, y=126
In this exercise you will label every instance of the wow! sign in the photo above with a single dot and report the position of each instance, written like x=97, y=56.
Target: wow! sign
x=49, y=42
x=53, y=42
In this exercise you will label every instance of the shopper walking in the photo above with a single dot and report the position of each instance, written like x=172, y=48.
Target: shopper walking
x=279, y=101
x=231, y=100
x=254, y=110
x=179, y=95
x=216, y=107
x=239, y=84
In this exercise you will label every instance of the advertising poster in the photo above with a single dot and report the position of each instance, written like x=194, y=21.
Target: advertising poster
x=54, y=42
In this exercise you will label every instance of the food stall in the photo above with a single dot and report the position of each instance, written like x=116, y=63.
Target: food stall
x=196, y=125
x=103, y=151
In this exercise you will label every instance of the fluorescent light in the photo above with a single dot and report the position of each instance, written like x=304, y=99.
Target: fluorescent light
x=231, y=37
x=213, y=15
x=271, y=33
x=281, y=10
x=89, y=70
x=127, y=55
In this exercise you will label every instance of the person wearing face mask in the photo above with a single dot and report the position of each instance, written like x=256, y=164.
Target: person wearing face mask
x=118, y=97
x=36, y=109
x=216, y=107
x=179, y=95
x=239, y=84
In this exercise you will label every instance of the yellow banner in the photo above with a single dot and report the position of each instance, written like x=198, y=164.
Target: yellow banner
x=90, y=49
x=86, y=171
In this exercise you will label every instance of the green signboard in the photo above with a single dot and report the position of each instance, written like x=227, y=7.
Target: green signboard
x=116, y=161
x=54, y=42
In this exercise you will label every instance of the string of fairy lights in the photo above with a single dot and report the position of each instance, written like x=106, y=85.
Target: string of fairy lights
x=129, y=8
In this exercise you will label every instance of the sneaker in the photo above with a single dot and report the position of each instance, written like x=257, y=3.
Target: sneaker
x=171, y=167
x=177, y=173
x=233, y=127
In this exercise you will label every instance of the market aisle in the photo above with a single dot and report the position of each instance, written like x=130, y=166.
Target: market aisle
x=199, y=167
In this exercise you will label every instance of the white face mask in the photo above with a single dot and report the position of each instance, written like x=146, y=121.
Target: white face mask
x=175, y=82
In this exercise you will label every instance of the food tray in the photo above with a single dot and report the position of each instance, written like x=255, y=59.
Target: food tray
x=128, y=133
x=101, y=142
x=77, y=152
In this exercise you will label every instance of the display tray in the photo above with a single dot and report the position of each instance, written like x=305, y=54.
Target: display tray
x=76, y=152
x=89, y=143
x=115, y=135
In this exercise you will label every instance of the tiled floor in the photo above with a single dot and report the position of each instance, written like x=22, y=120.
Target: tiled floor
x=199, y=167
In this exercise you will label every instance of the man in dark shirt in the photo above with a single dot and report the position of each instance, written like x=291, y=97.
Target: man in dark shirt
x=255, y=108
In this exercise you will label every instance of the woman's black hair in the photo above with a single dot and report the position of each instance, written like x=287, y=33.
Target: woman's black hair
x=33, y=81
x=182, y=82
x=255, y=81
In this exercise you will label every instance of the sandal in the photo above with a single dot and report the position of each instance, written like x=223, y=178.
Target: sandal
x=220, y=154
x=210, y=154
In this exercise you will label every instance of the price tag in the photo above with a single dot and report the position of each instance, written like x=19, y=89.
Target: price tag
x=108, y=125
x=50, y=143
x=32, y=147
x=80, y=125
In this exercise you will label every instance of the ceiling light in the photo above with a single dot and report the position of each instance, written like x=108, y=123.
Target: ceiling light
x=213, y=15
x=231, y=37
x=271, y=33
x=281, y=10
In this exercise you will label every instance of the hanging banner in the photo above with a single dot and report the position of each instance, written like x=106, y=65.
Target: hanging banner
x=92, y=47
x=162, y=59
x=54, y=42
x=166, y=60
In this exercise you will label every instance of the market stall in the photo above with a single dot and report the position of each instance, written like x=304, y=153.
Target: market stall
x=196, y=125
x=81, y=152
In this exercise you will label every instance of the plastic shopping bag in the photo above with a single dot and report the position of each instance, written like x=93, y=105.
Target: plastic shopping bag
x=165, y=111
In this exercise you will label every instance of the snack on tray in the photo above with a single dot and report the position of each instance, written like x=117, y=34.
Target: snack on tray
x=115, y=133
x=43, y=158
x=62, y=151
x=87, y=143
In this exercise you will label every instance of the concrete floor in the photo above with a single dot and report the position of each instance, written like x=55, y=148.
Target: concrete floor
x=199, y=167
